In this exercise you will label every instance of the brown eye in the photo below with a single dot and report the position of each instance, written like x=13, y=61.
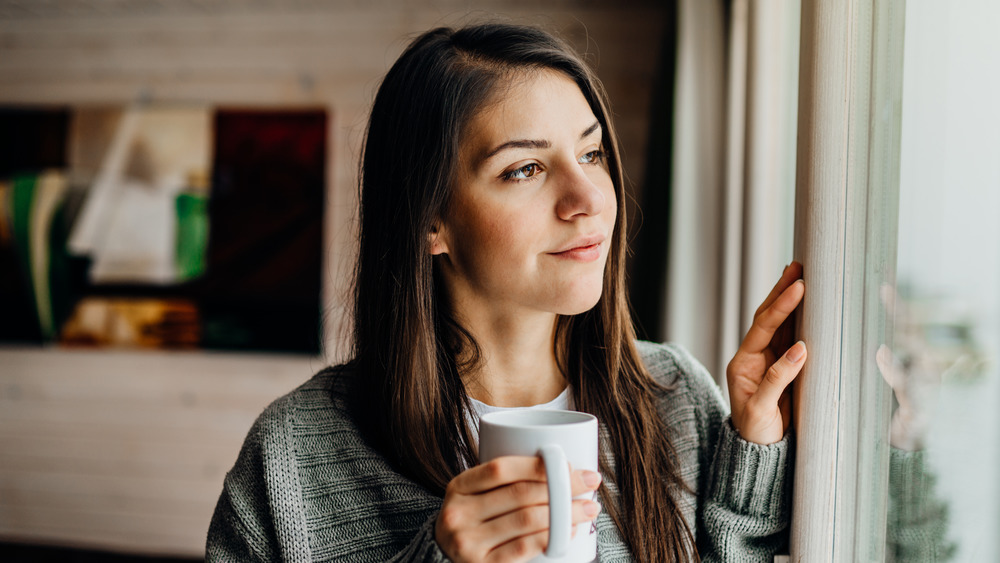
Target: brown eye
x=592, y=157
x=523, y=173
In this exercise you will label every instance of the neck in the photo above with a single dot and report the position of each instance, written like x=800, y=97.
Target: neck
x=518, y=364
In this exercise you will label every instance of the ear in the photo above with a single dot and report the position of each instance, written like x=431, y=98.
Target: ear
x=437, y=240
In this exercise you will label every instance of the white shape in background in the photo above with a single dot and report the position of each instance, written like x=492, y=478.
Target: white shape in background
x=128, y=222
x=90, y=226
x=138, y=244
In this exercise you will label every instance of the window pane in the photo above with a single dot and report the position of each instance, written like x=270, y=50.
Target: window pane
x=946, y=305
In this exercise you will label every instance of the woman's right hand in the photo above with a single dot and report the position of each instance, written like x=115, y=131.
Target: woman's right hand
x=498, y=511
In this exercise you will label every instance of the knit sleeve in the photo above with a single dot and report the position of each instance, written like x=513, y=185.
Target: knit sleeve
x=746, y=512
x=241, y=528
x=423, y=548
x=259, y=516
x=918, y=519
x=743, y=489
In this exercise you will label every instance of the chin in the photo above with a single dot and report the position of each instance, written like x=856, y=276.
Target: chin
x=577, y=304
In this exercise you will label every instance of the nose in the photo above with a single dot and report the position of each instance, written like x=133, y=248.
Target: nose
x=579, y=195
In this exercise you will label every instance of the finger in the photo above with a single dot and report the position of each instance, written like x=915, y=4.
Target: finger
x=780, y=374
x=791, y=273
x=590, y=510
x=520, y=494
x=531, y=520
x=886, y=363
x=519, y=549
x=769, y=320
x=497, y=473
x=583, y=480
x=510, y=498
x=505, y=470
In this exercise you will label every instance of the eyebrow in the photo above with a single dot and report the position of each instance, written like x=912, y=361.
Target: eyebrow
x=535, y=144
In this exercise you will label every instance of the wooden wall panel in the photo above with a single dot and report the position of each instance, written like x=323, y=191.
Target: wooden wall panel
x=126, y=451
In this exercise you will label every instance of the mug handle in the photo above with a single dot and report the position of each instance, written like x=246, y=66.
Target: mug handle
x=560, y=500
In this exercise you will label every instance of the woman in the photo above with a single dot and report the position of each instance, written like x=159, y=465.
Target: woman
x=490, y=275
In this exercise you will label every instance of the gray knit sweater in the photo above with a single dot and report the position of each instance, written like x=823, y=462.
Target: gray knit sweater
x=307, y=487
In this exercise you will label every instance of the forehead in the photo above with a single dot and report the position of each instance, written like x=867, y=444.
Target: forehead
x=536, y=105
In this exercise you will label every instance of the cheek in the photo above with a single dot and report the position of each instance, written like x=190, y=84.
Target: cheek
x=601, y=178
x=493, y=241
x=610, y=211
x=612, y=208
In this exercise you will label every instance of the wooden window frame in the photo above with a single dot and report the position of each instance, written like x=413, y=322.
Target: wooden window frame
x=847, y=181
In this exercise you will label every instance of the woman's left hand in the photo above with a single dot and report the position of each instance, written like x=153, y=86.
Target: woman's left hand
x=766, y=363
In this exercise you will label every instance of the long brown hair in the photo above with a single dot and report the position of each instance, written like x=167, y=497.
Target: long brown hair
x=410, y=352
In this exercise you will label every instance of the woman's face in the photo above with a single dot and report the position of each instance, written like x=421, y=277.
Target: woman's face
x=533, y=207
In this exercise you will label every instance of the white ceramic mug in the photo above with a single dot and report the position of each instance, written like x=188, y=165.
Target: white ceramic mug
x=561, y=438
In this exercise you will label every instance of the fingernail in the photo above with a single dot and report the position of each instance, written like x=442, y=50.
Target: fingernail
x=795, y=353
x=591, y=478
x=591, y=508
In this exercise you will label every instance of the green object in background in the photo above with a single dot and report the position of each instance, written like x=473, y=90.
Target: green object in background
x=192, y=234
x=35, y=200
x=192, y=228
x=22, y=195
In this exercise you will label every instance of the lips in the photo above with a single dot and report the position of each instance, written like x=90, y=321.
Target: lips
x=583, y=249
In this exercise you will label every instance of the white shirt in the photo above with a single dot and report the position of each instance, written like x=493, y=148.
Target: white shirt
x=563, y=401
